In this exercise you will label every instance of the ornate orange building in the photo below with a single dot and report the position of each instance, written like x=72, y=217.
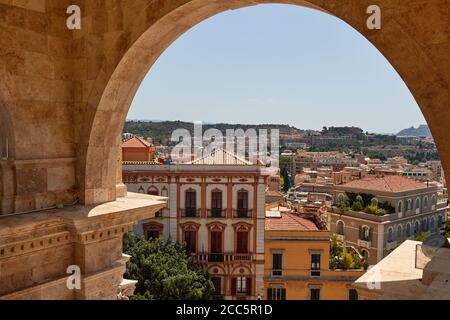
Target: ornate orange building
x=215, y=207
x=297, y=254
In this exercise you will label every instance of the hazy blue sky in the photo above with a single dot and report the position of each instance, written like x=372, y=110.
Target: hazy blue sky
x=276, y=64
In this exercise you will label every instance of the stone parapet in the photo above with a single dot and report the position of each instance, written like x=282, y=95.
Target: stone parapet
x=37, y=248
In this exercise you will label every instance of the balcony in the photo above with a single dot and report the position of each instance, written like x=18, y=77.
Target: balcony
x=242, y=213
x=363, y=243
x=190, y=212
x=217, y=213
x=223, y=257
x=215, y=257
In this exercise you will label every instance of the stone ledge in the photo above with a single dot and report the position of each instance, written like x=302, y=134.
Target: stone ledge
x=36, y=248
x=21, y=227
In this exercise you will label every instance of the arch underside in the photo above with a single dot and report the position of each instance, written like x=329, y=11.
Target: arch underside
x=132, y=52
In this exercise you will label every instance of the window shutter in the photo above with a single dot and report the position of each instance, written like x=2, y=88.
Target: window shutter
x=249, y=286
x=361, y=236
x=269, y=293
x=233, y=286
x=283, y=294
x=370, y=234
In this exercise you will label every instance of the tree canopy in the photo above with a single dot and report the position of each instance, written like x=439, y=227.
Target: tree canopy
x=164, y=271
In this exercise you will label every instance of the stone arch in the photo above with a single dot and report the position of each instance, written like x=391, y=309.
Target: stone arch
x=152, y=26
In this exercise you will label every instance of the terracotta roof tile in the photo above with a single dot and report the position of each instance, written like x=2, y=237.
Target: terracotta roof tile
x=290, y=222
x=136, y=142
x=387, y=184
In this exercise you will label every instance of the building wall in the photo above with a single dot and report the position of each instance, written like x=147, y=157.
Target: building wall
x=380, y=246
x=204, y=180
x=297, y=247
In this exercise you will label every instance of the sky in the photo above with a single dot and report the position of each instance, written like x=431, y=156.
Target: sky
x=280, y=64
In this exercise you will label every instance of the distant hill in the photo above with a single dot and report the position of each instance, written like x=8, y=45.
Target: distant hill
x=420, y=131
x=161, y=131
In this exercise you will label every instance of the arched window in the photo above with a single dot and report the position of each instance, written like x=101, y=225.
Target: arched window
x=374, y=201
x=424, y=225
x=439, y=221
x=416, y=228
x=141, y=190
x=432, y=224
x=340, y=198
x=409, y=204
x=399, y=233
x=408, y=230
x=340, y=227
x=152, y=190
x=417, y=203
x=425, y=202
x=164, y=192
x=400, y=206
x=390, y=236
x=365, y=254
x=364, y=233
x=433, y=200
x=359, y=199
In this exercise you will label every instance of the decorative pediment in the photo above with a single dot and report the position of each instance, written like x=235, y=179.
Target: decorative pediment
x=216, y=226
x=190, y=226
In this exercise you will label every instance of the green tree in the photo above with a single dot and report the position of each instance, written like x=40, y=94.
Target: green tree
x=447, y=228
x=164, y=271
x=357, y=206
x=421, y=237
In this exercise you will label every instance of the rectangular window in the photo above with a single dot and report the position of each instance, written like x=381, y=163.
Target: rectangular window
x=242, y=242
x=190, y=238
x=276, y=293
x=315, y=264
x=242, y=286
x=216, y=242
x=352, y=294
x=216, y=200
x=242, y=200
x=190, y=200
x=217, y=282
x=314, y=294
x=277, y=264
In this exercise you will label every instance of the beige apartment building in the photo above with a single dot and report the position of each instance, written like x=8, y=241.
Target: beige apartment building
x=410, y=209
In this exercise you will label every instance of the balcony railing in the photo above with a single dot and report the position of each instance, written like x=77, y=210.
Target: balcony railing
x=216, y=257
x=217, y=213
x=277, y=272
x=190, y=212
x=242, y=213
x=224, y=257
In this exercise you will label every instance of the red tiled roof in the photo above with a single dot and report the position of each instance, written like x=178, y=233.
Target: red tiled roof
x=289, y=222
x=273, y=193
x=387, y=183
x=136, y=142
